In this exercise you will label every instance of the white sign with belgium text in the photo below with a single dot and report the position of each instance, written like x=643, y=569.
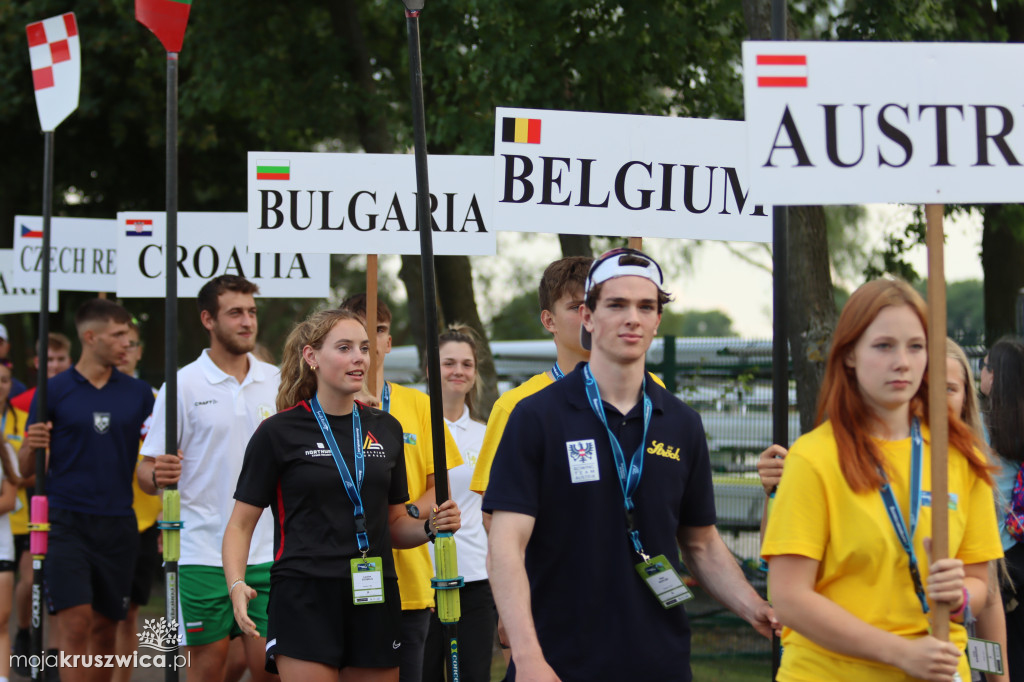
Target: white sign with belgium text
x=83, y=253
x=573, y=172
x=209, y=245
x=866, y=122
x=366, y=203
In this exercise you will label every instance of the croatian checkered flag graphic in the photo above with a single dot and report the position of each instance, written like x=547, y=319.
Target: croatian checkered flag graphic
x=54, y=51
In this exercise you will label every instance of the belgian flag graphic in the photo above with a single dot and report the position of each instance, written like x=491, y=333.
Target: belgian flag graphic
x=524, y=130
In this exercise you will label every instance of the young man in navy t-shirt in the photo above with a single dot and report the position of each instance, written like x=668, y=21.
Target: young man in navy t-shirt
x=587, y=590
x=94, y=418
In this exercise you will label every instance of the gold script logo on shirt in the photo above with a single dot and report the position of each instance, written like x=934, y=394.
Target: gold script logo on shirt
x=662, y=450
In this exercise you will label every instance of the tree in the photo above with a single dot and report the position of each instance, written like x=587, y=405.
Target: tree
x=811, y=313
x=1002, y=243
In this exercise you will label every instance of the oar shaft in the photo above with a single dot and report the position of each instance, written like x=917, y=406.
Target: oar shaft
x=38, y=508
x=427, y=256
x=171, y=536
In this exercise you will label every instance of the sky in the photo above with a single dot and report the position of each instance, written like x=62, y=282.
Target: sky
x=716, y=278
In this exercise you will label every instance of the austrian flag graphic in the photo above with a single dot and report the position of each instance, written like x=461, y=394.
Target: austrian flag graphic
x=55, y=56
x=781, y=71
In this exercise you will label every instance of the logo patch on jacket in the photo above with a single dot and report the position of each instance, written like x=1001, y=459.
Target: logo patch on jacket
x=661, y=450
x=101, y=422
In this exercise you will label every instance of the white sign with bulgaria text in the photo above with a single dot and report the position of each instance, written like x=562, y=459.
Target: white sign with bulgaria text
x=366, y=203
x=15, y=299
x=209, y=245
x=620, y=175
x=845, y=123
x=83, y=253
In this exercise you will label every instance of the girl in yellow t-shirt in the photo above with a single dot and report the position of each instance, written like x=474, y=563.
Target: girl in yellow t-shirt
x=840, y=574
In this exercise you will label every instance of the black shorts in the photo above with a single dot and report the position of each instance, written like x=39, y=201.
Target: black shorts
x=90, y=560
x=21, y=544
x=314, y=619
x=147, y=566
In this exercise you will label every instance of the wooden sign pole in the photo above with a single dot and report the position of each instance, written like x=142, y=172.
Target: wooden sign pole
x=636, y=243
x=371, y=322
x=937, y=405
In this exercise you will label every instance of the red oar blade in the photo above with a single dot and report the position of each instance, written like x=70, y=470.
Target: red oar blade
x=167, y=20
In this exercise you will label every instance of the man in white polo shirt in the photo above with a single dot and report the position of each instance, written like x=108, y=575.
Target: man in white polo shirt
x=222, y=397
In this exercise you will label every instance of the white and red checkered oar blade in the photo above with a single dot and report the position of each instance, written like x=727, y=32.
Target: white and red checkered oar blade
x=56, y=57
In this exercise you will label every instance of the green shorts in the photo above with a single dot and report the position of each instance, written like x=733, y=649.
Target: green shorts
x=206, y=608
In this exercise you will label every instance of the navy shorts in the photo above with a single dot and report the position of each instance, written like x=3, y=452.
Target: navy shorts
x=147, y=566
x=90, y=560
x=314, y=619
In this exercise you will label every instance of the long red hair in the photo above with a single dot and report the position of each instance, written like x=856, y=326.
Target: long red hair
x=843, y=405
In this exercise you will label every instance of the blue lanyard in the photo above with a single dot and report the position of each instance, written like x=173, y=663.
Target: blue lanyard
x=385, y=398
x=351, y=487
x=896, y=516
x=556, y=371
x=629, y=479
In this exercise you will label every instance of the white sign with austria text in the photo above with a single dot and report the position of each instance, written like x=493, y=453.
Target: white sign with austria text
x=210, y=245
x=15, y=299
x=366, y=203
x=866, y=122
x=620, y=175
x=83, y=253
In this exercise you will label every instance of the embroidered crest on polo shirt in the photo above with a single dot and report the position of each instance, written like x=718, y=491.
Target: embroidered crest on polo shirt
x=264, y=410
x=583, y=460
x=409, y=438
x=101, y=422
x=661, y=450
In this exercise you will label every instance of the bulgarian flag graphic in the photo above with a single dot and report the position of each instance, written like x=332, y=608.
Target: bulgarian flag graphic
x=167, y=20
x=275, y=169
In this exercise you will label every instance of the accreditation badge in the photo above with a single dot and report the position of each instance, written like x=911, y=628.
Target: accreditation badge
x=664, y=581
x=985, y=656
x=367, y=580
x=582, y=460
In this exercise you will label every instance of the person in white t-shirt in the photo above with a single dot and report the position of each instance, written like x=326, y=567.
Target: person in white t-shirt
x=222, y=397
x=478, y=616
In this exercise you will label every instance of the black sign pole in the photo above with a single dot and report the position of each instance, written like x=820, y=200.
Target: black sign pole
x=780, y=317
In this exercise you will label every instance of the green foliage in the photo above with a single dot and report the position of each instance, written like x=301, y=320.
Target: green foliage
x=518, y=320
x=965, y=309
x=696, y=323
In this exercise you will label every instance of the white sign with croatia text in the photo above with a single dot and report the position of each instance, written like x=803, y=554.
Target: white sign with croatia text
x=574, y=172
x=866, y=122
x=209, y=245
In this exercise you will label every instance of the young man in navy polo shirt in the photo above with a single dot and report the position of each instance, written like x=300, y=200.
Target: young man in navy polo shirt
x=583, y=537
x=94, y=418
